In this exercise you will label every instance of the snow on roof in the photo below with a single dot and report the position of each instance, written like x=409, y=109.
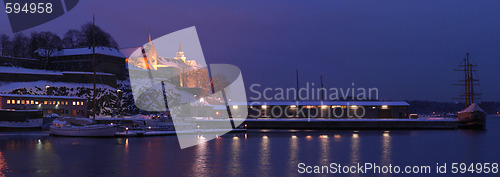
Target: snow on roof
x=88, y=51
x=473, y=107
x=40, y=96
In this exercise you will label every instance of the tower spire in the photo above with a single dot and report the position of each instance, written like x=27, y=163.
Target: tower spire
x=180, y=54
x=149, y=34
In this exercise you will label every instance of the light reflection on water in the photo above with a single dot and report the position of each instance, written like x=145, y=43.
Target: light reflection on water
x=272, y=153
x=293, y=151
x=355, y=150
x=3, y=165
x=325, y=150
x=234, y=166
x=45, y=157
x=201, y=162
x=386, y=150
x=265, y=165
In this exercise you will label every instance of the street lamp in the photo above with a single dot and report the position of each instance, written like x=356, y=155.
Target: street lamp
x=47, y=89
x=119, y=94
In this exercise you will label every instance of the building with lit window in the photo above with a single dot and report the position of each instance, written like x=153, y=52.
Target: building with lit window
x=65, y=106
x=329, y=109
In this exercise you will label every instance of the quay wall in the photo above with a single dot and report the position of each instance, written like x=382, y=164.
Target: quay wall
x=332, y=124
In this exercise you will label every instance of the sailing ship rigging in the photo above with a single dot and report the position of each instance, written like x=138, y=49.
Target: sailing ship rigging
x=469, y=82
x=472, y=116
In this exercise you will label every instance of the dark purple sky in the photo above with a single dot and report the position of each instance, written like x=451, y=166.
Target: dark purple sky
x=407, y=49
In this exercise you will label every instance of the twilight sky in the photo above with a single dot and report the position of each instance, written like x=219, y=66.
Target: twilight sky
x=407, y=49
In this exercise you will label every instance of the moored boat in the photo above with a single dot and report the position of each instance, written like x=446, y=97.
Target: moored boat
x=21, y=119
x=472, y=117
x=81, y=127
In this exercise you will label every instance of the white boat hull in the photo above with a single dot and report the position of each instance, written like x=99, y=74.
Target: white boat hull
x=100, y=130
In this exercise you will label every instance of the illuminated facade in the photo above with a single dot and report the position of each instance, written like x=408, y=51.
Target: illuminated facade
x=65, y=106
x=329, y=109
x=188, y=74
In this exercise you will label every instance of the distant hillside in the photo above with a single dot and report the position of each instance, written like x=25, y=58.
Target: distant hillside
x=428, y=107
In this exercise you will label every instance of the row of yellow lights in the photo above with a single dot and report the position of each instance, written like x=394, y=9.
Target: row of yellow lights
x=44, y=102
x=355, y=135
x=322, y=106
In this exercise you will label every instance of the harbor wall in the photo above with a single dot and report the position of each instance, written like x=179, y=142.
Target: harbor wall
x=332, y=124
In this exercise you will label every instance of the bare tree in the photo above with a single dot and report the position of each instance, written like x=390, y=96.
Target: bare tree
x=5, y=45
x=101, y=37
x=44, y=44
x=20, y=45
x=70, y=39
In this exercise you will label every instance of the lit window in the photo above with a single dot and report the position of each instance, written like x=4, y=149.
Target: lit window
x=8, y=101
x=81, y=103
x=36, y=102
x=74, y=103
x=385, y=106
x=27, y=101
x=66, y=103
x=264, y=106
x=18, y=101
x=58, y=102
x=32, y=101
x=53, y=102
x=78, y=103
x=23, y=102
x=44, y=102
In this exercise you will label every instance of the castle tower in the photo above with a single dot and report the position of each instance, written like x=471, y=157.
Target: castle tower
x=151, y=53
x=180, y=54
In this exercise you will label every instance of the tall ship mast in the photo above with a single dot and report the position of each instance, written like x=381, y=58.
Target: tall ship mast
x=469, y=82
x=472, y=116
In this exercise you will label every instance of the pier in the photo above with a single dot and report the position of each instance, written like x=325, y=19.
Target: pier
x=137, y=133
x=329, y=124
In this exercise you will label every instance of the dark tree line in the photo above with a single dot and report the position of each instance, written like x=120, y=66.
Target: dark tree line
x=43, y=44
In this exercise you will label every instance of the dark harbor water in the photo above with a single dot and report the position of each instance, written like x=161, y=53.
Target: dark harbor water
x=256, y=153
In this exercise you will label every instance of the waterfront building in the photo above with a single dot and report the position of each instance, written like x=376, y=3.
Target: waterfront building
x=107, y=60
x=65, y=106
x=329, y=109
